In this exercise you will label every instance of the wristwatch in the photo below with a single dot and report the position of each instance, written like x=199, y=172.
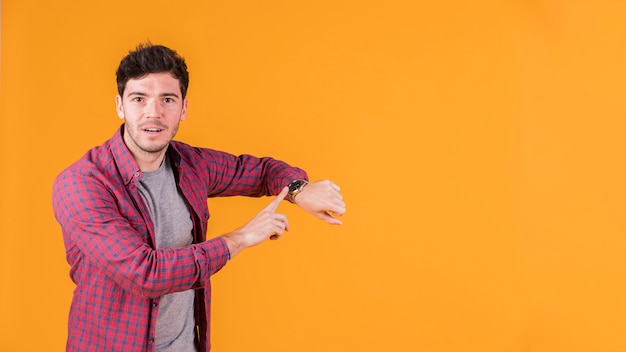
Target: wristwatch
x=295, y=187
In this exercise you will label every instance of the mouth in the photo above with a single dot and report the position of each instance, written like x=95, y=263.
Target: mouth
x=152, y=129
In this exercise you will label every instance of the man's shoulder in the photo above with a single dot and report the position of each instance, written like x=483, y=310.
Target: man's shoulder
x=96, y=162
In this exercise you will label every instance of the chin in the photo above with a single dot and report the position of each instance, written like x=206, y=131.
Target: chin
x=154, y=148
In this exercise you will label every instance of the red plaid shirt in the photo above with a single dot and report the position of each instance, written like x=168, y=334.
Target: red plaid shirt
x=109, y=239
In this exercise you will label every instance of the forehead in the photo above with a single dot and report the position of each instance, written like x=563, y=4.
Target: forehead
x=153, y=83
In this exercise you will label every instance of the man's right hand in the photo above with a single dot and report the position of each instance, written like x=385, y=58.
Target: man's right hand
x=266, y=224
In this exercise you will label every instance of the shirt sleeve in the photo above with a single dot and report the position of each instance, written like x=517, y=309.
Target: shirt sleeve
x=94, y=229
x=247, y=175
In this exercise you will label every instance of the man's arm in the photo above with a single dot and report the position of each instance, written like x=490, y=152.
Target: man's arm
x=90, y=218
x=227, y=175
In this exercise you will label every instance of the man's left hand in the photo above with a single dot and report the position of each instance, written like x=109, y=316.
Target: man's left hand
x=323, y=200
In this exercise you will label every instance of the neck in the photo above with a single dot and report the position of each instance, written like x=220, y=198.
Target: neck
x=148, y=161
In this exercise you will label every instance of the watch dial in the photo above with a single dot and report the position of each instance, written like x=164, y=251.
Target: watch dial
x=294, y=185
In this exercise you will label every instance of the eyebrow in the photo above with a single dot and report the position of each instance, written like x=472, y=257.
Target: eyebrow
x=144, y=94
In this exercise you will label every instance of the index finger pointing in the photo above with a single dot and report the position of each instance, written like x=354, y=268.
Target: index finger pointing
x=276, y=201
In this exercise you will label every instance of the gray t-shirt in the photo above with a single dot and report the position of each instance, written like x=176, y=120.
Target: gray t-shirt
x=175, y=328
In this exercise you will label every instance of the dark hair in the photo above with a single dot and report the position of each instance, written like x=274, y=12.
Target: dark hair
x=148, y=58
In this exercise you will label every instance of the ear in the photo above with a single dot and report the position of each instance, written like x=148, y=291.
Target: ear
x=119, y=107
x=183, y=113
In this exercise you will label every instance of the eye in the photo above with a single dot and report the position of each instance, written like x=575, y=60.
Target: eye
x=168, y=100
x=137, y=99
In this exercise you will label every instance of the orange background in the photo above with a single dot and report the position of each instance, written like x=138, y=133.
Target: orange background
x=478, y=145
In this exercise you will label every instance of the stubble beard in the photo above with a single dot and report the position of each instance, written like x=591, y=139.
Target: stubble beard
x=147, y=148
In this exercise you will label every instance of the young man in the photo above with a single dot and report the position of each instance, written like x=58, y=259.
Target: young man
x=134, y=215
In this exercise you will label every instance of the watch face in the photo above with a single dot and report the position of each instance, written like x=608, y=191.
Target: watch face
x=295, y=185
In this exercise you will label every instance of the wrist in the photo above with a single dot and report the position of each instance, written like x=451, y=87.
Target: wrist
x=235, y=243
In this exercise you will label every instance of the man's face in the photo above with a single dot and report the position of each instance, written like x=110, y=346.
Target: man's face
x=152, y=107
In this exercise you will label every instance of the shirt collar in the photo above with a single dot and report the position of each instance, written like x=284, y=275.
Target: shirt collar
x=126, y=164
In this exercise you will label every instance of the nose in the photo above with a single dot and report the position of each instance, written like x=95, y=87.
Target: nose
x=153, y=108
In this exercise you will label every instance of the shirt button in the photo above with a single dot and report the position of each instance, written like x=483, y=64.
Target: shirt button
x=137, y=174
